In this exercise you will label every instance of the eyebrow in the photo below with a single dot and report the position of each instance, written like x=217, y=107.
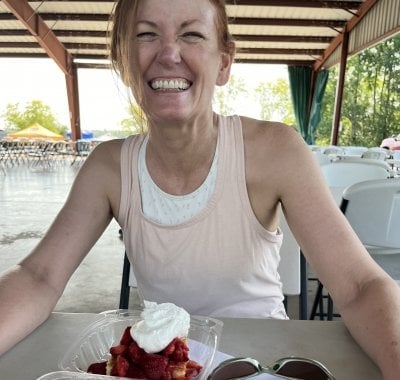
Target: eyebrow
x=154, y=25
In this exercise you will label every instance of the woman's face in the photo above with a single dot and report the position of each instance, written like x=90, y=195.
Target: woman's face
x=176, y=51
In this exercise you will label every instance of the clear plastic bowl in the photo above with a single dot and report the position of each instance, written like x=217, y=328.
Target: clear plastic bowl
x=94, y=343
x=67, y=375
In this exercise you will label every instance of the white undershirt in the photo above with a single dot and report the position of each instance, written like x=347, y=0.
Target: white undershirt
x=168, y=209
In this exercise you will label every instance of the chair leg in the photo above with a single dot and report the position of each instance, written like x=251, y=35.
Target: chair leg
x=330, y=309
x=318, y=303
x=303, y=287
x=125, y=289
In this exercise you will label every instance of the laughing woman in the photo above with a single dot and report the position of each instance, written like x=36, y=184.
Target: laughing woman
x=197, y=196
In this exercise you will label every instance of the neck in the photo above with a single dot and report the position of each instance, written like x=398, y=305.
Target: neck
x=179, y=157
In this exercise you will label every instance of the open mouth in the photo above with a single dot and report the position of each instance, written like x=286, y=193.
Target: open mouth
x=170, y=84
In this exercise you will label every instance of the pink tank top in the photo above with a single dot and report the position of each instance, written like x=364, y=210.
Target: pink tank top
x=222, y=262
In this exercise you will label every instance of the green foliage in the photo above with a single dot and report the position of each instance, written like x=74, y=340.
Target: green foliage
x=35, y=112
x=226, y=96
x=275, y=101
x=371, y=101
x=135, y=123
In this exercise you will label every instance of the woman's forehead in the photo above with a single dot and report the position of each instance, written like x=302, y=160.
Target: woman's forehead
x=168, y=10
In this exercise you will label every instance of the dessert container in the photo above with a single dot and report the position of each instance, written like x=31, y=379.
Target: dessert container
x=95, y=341
x=67, y=375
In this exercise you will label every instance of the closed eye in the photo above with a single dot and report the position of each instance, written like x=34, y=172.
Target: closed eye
x=192, y=36
x=146, y=36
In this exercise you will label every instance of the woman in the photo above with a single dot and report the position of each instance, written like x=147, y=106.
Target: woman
x=197, y=197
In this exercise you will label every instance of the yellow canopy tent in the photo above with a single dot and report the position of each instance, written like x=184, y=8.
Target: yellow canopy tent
x=36, y=131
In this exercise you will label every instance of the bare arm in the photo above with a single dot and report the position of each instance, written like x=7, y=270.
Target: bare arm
x=367, y=298
x=30, y=289
x=280, y=168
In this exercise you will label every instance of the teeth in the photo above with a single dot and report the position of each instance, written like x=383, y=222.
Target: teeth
x=172, y=84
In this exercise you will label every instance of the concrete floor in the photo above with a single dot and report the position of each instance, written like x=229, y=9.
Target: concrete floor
x=29, y=201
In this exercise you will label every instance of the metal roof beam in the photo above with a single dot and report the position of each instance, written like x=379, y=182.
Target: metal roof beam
x=299, y=3
x=45, y=36
x=284, y=3
x=286, y=22
x=232, y=20
x=338, y=40
x=55, y=50
x=236, y=37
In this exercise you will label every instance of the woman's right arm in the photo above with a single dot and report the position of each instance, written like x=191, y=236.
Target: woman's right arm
x=30, y=289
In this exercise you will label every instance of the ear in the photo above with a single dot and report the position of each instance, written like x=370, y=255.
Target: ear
x=225, y=68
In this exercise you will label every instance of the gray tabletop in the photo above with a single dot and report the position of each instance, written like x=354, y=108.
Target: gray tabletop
x=265, y=340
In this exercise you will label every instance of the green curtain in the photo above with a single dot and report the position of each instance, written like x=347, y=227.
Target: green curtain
x=315, y=112
x=300, y=87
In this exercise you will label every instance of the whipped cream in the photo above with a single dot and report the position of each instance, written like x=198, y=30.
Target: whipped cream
x=160, y=324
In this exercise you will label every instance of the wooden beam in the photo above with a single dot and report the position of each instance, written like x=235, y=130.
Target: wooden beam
x=340, y=89
x=54, y=49
x=351, y=24
x=299, y=3
x=38, y=28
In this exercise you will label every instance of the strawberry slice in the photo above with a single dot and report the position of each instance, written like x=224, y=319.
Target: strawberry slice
x=98, y=368
x=118, y=350
x=155, y=366
x=120, y=367
x=126, y=339
x=135, y=372
x=135, y=352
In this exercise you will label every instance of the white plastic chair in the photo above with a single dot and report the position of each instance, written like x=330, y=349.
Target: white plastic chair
x=364, y=160
x=323, y=159
x=293, y=282
x=354, y=150
x=373, y=210
x=339, y=175
x=344, y=173
x=376, y=153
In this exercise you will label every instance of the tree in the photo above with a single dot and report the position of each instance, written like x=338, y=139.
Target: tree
x=275, y=101
x=371, y=99
x=226, y=96
x=35, y=112
x=136, y=122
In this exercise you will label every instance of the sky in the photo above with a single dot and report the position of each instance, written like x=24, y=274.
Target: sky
x=103, y=99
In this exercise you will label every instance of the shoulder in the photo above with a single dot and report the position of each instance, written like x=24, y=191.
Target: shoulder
x=270, y=138
x=101, y=172
x=272, y=150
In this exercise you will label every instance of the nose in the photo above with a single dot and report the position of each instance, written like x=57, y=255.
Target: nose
x=170, y=52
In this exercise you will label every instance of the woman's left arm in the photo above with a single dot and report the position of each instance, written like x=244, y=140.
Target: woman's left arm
x=366, y=297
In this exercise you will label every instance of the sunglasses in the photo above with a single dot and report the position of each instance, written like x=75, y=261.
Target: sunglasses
x=286, y=368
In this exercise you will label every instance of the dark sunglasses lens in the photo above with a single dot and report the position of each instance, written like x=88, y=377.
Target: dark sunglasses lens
x=233, y=370
x=302, y=370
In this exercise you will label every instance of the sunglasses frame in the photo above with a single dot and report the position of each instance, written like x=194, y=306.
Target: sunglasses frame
x=271, y=369
x=282, y=361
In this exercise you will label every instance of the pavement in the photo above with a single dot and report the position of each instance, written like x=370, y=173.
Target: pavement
x=30, y=198
x=29, y=201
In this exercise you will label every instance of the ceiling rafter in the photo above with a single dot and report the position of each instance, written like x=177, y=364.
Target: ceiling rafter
x=284, y=28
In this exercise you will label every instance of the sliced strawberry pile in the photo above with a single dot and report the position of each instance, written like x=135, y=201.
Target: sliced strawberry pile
x=129, y=360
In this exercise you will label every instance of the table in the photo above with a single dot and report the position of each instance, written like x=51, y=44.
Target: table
x=265, y=340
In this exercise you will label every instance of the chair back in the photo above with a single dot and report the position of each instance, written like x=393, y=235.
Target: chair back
x=354, y=150
x=344, y=173
x=323, y=159
x=373, y=210
x=289, y=266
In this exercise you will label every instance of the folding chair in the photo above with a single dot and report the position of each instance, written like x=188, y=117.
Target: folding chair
x=339, y=175
x=373, y=210
x=292, y=268
x=128, y=281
